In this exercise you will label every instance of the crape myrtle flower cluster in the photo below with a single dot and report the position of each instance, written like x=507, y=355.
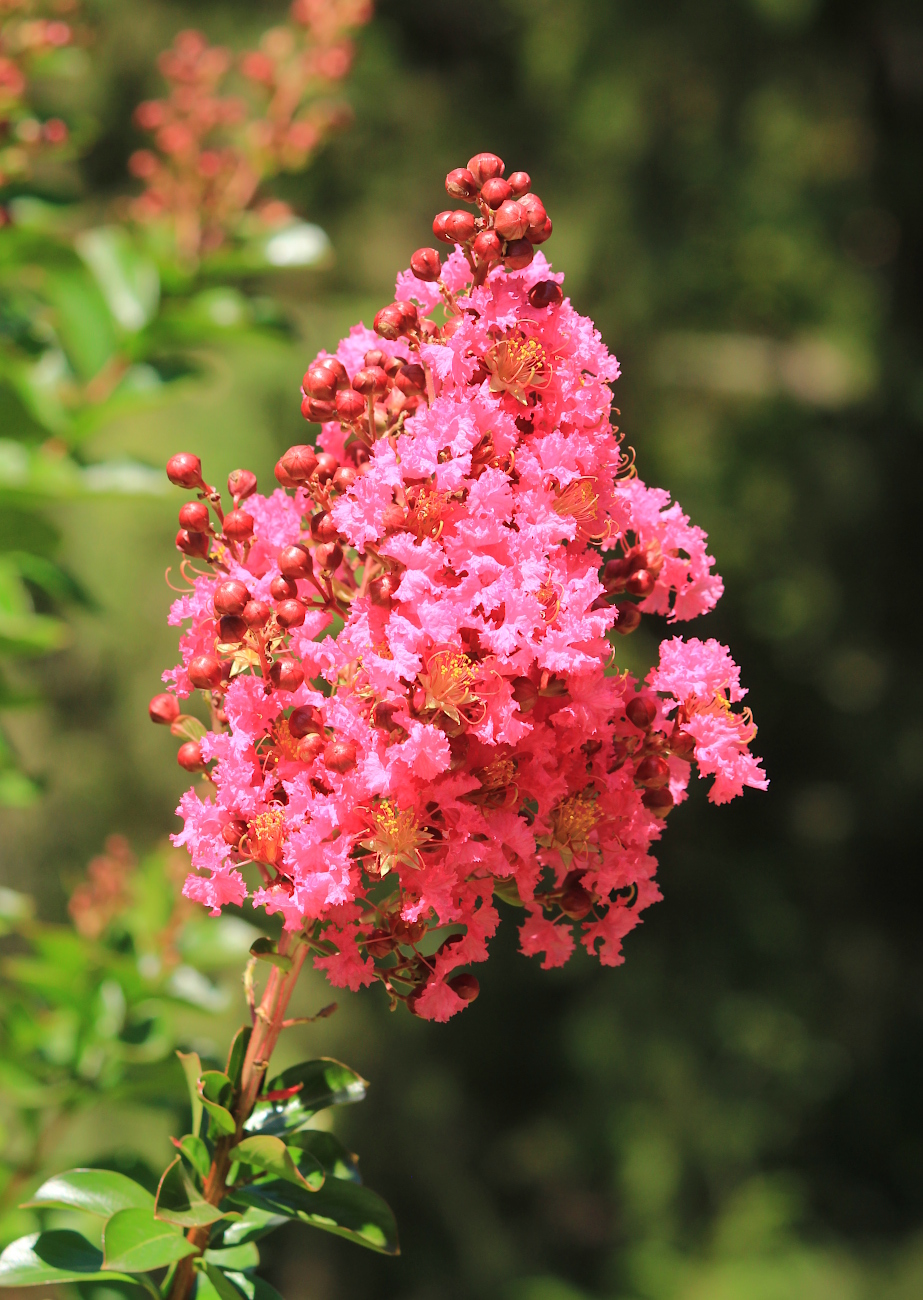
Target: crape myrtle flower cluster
x=212, y=150
x=408, y=647
x=30, y=32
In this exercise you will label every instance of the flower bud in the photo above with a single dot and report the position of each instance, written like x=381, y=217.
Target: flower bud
x=465, y=985
x=238, y=525
x=256, y=613
x=659, y=802
x=545, y=294
x=230, y=597
x=205, y=672
x=323, y=529
x=344, y=478
x=299, y=462
x=425, y=265
x=460, y=227
x=304, y=720
x=411, y=378
x=629, y=618
x=316, y=411
x=534, y=210
x=485, y=166
x=282, y=475
x=294, y=562
x=286, y=675
x=496, y=191
x=460, y=184
x=652, y=772
x=233, y=832
x=185, y=470
x=575, y=901
x=194, y=517
x=511, y=221
x=283, y=588
x=327, y=466
x=382, y=590
x=641, y=583
x=189, y=756
x=371, y=380
x=290, y=613
x=525, y=693
x=311, y=747
x=641, y=711
x=231, y=629
x=350, y=406
x=682, y=743
x=241, y=483
x=518, y=254
x=439, y=227
x=538, y=234
x=163, y=709
x=520, y=183
x=323, y=377
x=393, y=517
x=340, y=755
x=194, y=544
x=487, y=246
x=329, y=557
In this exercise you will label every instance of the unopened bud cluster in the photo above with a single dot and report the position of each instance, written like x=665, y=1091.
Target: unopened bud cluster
x=409, y=648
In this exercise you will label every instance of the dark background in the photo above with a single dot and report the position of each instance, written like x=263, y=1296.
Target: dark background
x=737, y=192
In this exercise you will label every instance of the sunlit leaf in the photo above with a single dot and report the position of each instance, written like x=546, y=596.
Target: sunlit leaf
x=95, y=1191
x=135, y=1242
x=340, y=1207
x=324, y=1082
x=272, y=1155
x=45, y=1258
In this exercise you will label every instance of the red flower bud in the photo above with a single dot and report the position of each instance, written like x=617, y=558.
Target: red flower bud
x=520, y=183
x=327, y=466
x=460, y=227
x=575, y=901
x=534, y=210
x=283, y=588
x=323, y=377
x=299, y=462
x=323, y=529
x=382, y=590
x=329, y=557
x=241, y=483
x=231, y=630
x=185, y=470
x=290, y=613
x=256, y=613
x=682, y=743
x=344, y=478
x=294, y=562
x=163, y=709
x=397, y=319
x=205, y=672
x=189, y=756
x=411, y=379
x=425, y=265
x=487, y=246
x=653, y=772
x=485, y=166
x=496, y=191
x=231, y=597
x=641, y=711
x=659, y=802
x=372, y=380
x=286, y=675
x=340, y=755
x=238, y=525
x=629, y=618
x=311, y=747
x=545, y=294
x=350, y=406
x=304, y=720
x=511, y=221
x=233, y=832
x=393, y=517
x=194, y=517
x=538, y=234
x=465, y=985
x=282, y=475
x=194, y=544
x=460, y=184
x=439, y=227
x=641, y=583
x=518, y=254
x=316, y=411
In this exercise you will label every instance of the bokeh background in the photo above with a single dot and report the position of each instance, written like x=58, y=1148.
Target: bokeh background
x=737, y=192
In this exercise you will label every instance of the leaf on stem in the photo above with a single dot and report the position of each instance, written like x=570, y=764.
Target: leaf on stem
x=179, y=1202
x=237, y=1053
x=273, y=1156
x=95, y=1191
x=195, y=1151
x=265, y=950
x=135, y=1242
x=45, y=1258
x=192, y=1068
x=340, y=1207
x=238, y=1258
x=337, y=1161
x=324, y=1082
x=215, y=1091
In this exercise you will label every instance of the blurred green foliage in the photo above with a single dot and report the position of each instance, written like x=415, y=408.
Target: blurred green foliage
x=738, y=202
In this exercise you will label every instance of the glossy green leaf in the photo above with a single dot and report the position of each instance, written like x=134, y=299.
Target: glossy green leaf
x=135, y=1242
x=254, y=1288
x=273, y=1156
x=179, y=1201
x=238, y=1258
x=337, y=1161
x=96, y=1191
x=237, y=1053
x=45, y=1258
x=253, y=1225
x=215, y=1090
x=264, y=949
x=341, y=1207
x=196, y=1152
x=324, y=1082
x=224, y=1288
x=192, y=1068
x=186, y=727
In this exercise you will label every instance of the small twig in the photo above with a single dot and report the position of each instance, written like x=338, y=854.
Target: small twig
x=309, y=1020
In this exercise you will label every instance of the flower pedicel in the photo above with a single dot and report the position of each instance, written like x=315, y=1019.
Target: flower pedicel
x=408, y=648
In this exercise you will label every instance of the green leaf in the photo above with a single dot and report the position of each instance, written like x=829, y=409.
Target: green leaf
x=186, y=727
x=324, y=1082
x=272, y=1155
x=179, y=1202
x=336, y=1160
x=135, y=1242
x=264, y=949
x=215, y=1088
x=254, y=1288
x=128, y=280
x=96, y=1191
x=192, y=1068
x=225, y=1289
x=45, y=1258
x=84, y=322
x=235, y=1257
x=196, y=1152
x=237, y=1053
x=343, y=1208
x=252, y=1226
